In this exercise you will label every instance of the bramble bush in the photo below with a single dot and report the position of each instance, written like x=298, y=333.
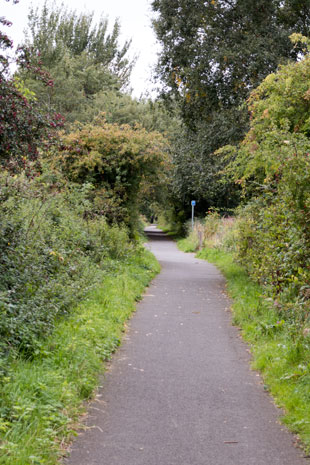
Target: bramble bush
x=51, y=253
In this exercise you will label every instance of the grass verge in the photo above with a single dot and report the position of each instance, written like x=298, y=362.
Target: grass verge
x=187, y=245
x=280, y=352
x=42, y=399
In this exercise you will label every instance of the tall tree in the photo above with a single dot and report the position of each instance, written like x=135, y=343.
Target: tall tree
x=55, y=31
x=84, y=59
x=213, y=54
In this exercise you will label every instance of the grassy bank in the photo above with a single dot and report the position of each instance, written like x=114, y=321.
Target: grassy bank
x=42, y=398
x=280, y=350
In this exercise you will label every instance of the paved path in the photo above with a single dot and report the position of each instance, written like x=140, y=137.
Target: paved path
x=180, y=391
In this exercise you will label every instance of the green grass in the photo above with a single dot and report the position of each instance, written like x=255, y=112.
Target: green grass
x=187, y=245
x=280, y=351
x=42, y=399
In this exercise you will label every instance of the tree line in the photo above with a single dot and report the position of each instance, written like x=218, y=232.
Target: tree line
x=214, y=54
x=70, y=127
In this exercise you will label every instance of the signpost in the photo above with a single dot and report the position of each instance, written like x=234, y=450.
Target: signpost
x=193, y=202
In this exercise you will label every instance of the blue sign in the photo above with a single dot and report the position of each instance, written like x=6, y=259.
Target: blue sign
x=193, y=203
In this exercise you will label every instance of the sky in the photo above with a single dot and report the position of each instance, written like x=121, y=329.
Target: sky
x=135, y=19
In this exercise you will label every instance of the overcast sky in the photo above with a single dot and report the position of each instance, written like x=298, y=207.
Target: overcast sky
x=135, y=19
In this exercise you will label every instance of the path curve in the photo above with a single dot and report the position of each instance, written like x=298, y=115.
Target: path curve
x=180, y=391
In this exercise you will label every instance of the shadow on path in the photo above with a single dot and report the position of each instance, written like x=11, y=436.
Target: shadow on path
x=155, y=234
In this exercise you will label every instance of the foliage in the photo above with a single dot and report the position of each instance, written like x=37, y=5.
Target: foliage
x=41, y=399
x=55, y=31
x=273, y=245
x=85, y=60
x=213, y=54
x=272, y=164
x=198, y=173
x=51, y=254
x=118, y=161
x=122, y=109
x=5, y=43
x=24, y=126
x=279, y=129
x=214, y=231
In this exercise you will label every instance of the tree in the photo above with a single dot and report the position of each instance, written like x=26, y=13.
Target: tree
x=279, y=128
x=84, y=59
x=57, y=31
x=214, y=53
x=198, y=172
x=273, y=166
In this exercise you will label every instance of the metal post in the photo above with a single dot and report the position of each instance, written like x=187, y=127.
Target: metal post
x=193, y=206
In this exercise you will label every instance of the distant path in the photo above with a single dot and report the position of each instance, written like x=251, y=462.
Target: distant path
x=180, y=391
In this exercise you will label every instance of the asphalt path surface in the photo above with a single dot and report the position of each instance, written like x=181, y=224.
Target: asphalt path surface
x=180, y=390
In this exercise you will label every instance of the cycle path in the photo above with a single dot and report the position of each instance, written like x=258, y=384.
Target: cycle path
x=180, y=390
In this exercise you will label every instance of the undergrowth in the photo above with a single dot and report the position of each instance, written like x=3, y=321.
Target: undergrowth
x=41, y=398
x=53, y=250
x=69, y=281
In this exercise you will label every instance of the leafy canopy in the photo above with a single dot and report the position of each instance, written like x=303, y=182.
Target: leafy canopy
x=280, y=123
x=213, y=54
x=273, y=166
x=56, y=31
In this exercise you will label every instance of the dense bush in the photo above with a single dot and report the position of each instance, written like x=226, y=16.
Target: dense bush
x=119, y=161
x=24, y=126
x=273, y=167
x=51, y=254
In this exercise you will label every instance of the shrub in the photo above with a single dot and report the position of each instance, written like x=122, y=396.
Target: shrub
x=51, y=255
x=273, y=166
x=117, y=160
